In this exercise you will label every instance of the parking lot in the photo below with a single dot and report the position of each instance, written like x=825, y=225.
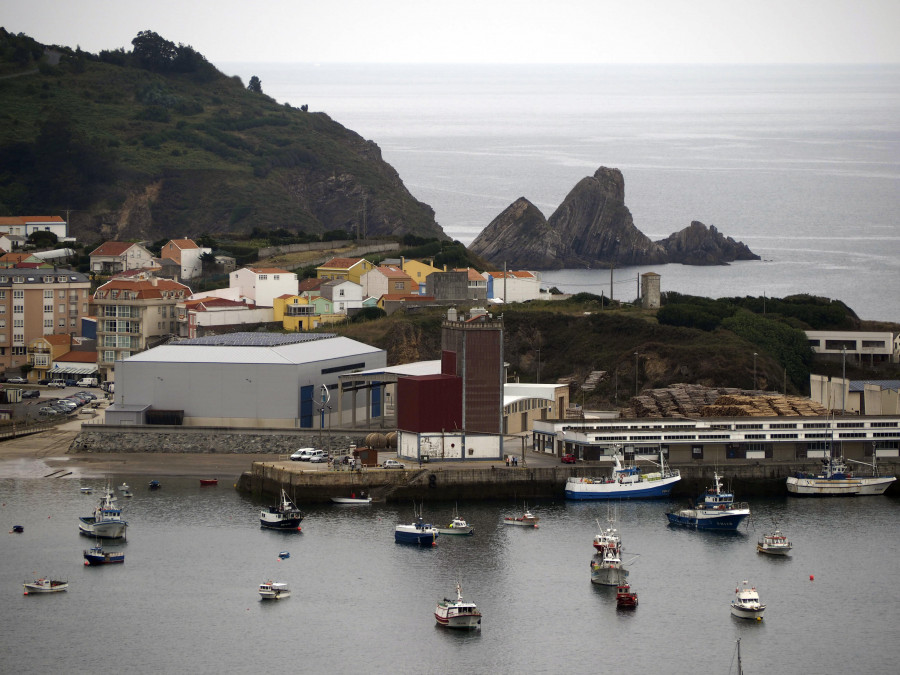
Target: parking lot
x=30, y=407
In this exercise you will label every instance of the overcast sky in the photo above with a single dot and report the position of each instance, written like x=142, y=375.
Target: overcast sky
x=480, y=31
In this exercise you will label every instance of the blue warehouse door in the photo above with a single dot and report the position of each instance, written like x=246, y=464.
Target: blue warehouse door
x=306, y=406
x=377, y=390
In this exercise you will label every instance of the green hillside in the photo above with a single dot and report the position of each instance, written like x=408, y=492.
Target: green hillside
x=156, y=142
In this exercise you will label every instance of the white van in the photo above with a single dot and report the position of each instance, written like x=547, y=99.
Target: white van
x=88, y=382
x=303, y=455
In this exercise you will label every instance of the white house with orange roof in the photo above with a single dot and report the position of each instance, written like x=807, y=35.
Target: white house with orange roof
x=112, y=257
x=513, y=286
x=196, y=315
x=24, y=226
x=263, y=284
x=350, y=269
x=387, y=280
x=186, y=253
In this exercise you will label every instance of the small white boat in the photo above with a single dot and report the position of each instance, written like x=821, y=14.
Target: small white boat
x=273, y=590
x=527, y=519
x=86, y=490
x=361, y=498
x=45, y=585
x=457, y=526
x=124, y=487
x=774, y=544
x=746, y=604
x=457, y=613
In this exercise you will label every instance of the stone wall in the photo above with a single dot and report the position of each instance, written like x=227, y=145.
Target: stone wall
x=175, y=439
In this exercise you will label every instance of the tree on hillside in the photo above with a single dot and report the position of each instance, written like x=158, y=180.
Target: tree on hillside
x=43, y=239
x=152, y=51
x=255, y=85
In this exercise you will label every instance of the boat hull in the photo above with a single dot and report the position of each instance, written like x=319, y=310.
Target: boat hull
x=521, y=522
x=420, y=537
x=608, y=576
x=88, y=526
x=351, y=500
x=745, y=613
x=695, y=519
x=284, y=524
x=274, y=595
x=599, y=489
x=838, y=487
x=104, y=558
x=773, y=550
x=464, y=621
x=45, y=586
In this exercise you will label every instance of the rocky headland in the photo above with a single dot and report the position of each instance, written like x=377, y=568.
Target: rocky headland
x=593, y=227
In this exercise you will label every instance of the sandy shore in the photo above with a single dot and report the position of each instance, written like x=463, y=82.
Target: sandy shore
x=44, y=453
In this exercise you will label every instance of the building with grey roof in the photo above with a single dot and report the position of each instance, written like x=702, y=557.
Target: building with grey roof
x=242, y=380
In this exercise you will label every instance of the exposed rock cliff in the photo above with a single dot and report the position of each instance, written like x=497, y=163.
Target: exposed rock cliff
x=594, y=227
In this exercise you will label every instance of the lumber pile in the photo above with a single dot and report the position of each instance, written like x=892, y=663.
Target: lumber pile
x=694, y=400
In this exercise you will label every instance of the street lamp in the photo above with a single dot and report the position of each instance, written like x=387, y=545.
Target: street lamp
x=754, y=370
x=539, y=365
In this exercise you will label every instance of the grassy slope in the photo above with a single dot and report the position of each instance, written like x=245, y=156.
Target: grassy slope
x=221, y=148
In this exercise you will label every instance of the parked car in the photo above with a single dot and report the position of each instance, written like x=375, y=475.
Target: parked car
x=45, y=381
x=49, y=410
x=86, y=394
x=568, y=459
x=392, y=464
x=72, y=382
x=320, y=456
x=302, y=455
x=58, y=384
x=17, y=380
x=31, y=393
x=88, y=382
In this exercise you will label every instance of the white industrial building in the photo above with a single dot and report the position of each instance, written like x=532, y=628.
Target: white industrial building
x=263, y=380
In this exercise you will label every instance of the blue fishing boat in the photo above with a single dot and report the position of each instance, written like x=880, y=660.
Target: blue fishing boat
x=715, y=509
x=418, y=532
x=96, y=555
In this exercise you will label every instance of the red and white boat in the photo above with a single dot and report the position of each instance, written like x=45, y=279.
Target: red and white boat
x=457, y=613
x=527, y=519
x=625, y=597
x=774, y=544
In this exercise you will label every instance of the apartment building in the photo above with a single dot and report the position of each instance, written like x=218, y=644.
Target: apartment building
x=38, y=302
x=134, y=313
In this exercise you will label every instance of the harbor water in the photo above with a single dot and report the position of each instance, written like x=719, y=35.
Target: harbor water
x=186, y=600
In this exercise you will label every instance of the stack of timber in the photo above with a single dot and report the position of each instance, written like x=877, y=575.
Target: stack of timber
x=694, y=400
x=595, y=378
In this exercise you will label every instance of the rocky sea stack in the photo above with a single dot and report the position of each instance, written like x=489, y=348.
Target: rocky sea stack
x=593, y=227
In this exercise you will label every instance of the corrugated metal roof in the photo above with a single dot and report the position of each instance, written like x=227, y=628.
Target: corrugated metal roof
x=247, y=339
x=298, y=352
x=860, y=385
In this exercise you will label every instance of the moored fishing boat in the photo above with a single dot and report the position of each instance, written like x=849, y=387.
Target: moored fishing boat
x=836, y=480
x=106, y=521
x=207, y=482
x=96, y=555
x=361, y=498
x=154, y=485
x=625, y=483
x=607, y=568
x=746, y=604
x=457, y=613
x=274, y=590
x=625, y=597
x=774, y=544
x=282, y=516
x=45, y=585
x=418, y=532
x=527, y=519
x=458, y=526
x=715, y=509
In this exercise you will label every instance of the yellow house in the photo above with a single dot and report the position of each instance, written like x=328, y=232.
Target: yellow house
x=348, y=269
x=417, y=271
x=295, y=313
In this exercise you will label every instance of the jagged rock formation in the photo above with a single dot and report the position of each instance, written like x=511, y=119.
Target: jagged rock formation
x=592, y=227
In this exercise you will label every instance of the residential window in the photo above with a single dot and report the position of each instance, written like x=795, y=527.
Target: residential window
x=48, y=295
x=276, y=277
x=18, y=309
x=18, y=294
x=48, y=323
x=109, y=356
x=62, y=323
x=73, y=323
x=48, y=309
x=62, y=295
x=61, y=309
x=2, y=323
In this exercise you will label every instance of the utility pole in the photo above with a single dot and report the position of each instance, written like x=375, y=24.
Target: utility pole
x=635, y=373
x=754, y=370
x=843, y=379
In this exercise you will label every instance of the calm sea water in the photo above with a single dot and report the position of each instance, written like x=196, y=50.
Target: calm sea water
x=802, y=163
x=185, y=599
